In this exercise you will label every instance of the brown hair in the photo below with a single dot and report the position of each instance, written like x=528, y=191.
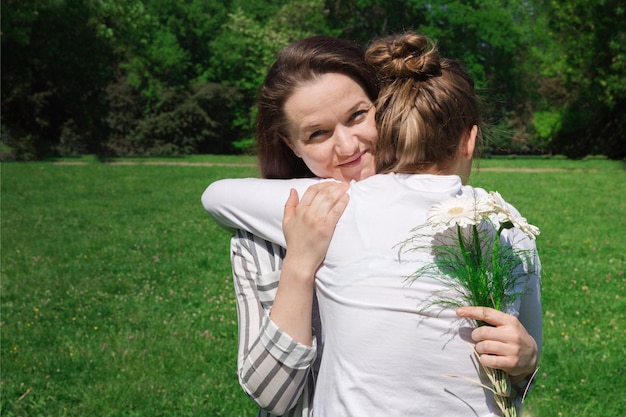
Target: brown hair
x=297, y=64
x=425, y=106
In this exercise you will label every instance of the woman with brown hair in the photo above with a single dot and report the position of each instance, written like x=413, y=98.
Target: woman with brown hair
x=280, y=335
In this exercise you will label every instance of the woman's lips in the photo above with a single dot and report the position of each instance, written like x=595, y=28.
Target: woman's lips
x=352, y=162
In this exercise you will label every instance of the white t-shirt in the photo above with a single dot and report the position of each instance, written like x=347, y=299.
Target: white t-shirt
x=383, y=355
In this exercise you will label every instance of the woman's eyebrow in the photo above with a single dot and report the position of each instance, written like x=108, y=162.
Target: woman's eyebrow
x=311, y=127
x=357, y=105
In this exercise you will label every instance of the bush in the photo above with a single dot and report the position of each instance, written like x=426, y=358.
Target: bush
x=71, y=142
x=589, y=130
x=197, y=120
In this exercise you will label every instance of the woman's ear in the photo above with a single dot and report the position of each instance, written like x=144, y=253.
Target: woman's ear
x=470, y=143
x=465, y=154
x=291, y=146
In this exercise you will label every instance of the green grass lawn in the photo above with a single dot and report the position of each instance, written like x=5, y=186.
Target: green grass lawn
x=116, y=294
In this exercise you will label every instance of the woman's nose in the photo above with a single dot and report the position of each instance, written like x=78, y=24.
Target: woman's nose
x=345, y=142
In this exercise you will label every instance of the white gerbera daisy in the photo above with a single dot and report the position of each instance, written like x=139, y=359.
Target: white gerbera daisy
x=459, y=211
x=500, y=207
x=522, y=224
x=504, y=215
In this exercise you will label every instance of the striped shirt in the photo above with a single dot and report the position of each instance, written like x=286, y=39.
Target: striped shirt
x=277, y=372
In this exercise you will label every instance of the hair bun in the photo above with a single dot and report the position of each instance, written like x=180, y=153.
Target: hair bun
x=406, y=56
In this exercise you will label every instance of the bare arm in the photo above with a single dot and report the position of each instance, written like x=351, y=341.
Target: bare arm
x=308, y=226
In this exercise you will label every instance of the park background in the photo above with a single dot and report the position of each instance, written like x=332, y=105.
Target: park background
x=163, y=77
x=115, y=293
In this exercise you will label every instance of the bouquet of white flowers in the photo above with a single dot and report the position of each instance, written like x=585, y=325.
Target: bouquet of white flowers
x=475, y=265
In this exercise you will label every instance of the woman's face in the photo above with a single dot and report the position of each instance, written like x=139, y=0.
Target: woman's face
x=332, y=127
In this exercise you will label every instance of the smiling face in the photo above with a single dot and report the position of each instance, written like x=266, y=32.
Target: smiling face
x=332, y=127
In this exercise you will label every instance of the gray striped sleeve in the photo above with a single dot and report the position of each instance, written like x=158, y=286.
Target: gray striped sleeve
x=274, y=370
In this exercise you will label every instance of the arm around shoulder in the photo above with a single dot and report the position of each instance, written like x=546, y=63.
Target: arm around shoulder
x=250, y=204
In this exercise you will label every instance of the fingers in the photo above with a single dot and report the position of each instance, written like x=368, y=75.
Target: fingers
x=497, y=345
x=505, y=344
x=518, y=358
x=324, y=194
x=290, y=205
x=340, y=202
x=506, y=363
x=486, y=314
x=309, y=224
x=325, y=202
x=315, y=214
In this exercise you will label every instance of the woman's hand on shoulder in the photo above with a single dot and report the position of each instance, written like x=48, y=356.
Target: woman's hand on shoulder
x=308, y=226
x=309, y=222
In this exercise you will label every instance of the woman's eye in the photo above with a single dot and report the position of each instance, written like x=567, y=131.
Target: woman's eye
x=358, y=115
x=316, y=135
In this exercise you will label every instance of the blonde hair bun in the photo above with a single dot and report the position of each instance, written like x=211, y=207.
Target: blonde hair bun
x=405, y=56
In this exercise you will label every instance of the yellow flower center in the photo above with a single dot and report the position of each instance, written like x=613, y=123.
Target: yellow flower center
x=455, y=211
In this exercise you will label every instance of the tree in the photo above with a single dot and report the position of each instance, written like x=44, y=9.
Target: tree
x=159, y=103
x=54, y=70
x=363, y=20
x=245, y=48
x=585, y=78
x=150, y=76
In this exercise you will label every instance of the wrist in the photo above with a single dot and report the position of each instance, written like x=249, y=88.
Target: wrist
x=298, y=271
x=520, y=385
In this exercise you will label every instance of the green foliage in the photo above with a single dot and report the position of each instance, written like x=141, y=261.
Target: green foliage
x=245, y=48
x=529, y=59
x=182, y=122
x=362, y=20
x=491, y=38
x=588, y=74
x=545, y=123
x=161, y=44
x=54, y=69
x=472, y=263
x=484, y=35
